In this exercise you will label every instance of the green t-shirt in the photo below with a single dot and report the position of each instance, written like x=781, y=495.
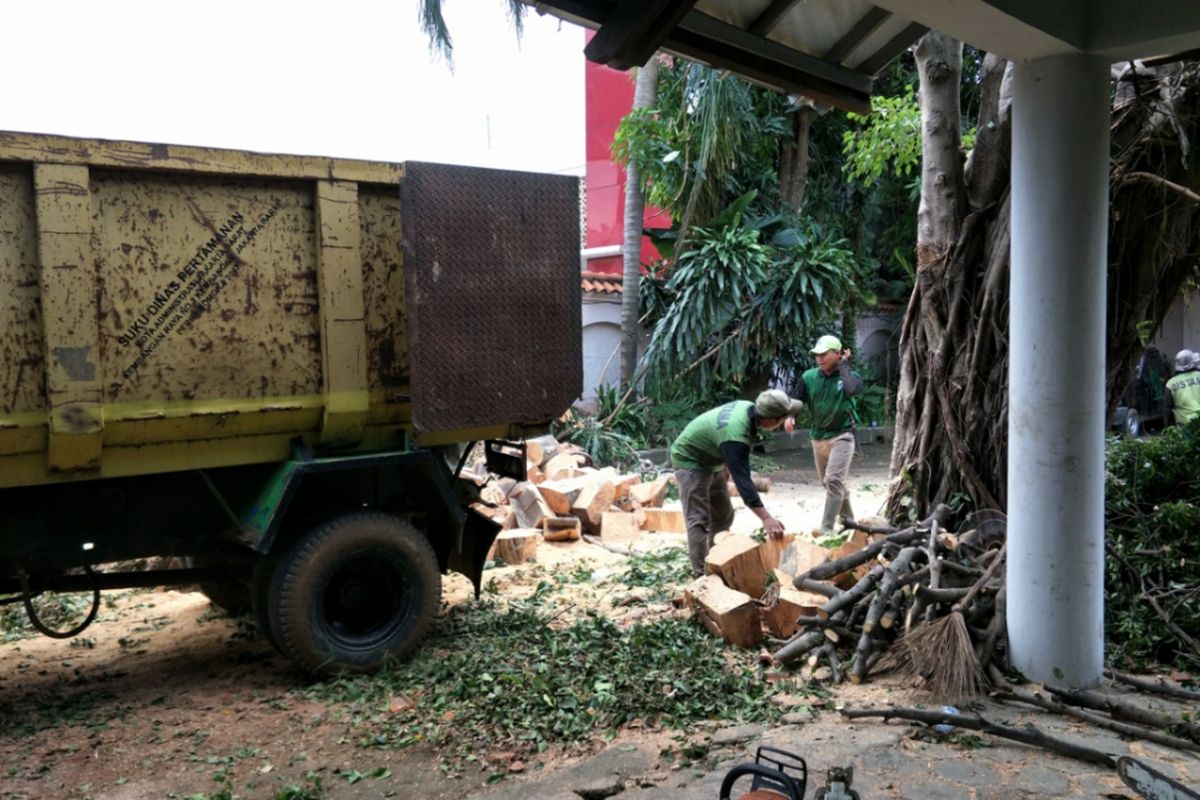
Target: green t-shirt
x=699, y=446
x=1185, y=395
x=828, y=398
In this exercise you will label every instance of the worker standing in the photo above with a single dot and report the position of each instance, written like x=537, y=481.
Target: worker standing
x=827, y=389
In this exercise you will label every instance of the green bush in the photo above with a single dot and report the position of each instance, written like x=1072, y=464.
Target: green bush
x=1153, y=547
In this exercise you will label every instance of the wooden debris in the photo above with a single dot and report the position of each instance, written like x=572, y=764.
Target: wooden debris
x=652, y=494
x=592, y=502
x=780, y=618
x=771, y=549
x=527, y=503
x=560, y=494
x=619, y=526
x=561, y=529
x=1027, y=734
x=729, y=614
x=541, y=449
x=558, y=467
x=737, y=560
x=664, y=520
x=518, y=546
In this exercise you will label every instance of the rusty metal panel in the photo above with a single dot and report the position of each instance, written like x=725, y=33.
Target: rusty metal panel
x=208, y=287
x=22, y=367
x=181, y=158
x=492, y=261
x=383, y=291
x=69, y=323
x=340, y=293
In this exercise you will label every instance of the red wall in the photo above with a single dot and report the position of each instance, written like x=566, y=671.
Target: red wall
x=609, y=97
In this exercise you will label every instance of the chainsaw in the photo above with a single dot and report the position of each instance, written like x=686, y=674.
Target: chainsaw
x=1150, y=783
x=779, y=775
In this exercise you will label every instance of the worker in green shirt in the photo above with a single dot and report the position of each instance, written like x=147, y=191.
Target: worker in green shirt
x=827, y=389
x=1183, y=389
x=717, y=440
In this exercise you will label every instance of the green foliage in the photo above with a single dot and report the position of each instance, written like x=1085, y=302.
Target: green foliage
x=889, y=140
x=506, y=680
x=604, y=443
x=1153, y=518
x=741, y=295
x=712, y=136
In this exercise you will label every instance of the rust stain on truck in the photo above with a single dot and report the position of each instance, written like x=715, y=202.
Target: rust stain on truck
x=184, y=294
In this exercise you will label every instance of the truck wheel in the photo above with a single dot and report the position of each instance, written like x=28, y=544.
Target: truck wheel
x=354, y=593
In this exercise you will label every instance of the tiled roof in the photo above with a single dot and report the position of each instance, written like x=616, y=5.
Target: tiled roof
x=601, y=282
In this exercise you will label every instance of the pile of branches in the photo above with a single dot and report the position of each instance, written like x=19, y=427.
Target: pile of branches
x=932, y=607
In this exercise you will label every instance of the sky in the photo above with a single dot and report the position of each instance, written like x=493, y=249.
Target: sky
x=351, y=78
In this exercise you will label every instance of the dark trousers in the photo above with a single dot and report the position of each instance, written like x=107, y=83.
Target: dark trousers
x=707, y=509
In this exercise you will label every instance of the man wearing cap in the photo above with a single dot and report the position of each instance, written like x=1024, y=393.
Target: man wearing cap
x=717, y=439
x=1183, y=389
x=828, y=389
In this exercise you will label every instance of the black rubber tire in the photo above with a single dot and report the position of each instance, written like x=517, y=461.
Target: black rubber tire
x=354, y=594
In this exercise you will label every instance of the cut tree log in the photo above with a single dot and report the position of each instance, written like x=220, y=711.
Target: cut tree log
x=771, y=549
x=560, y=466
x=664, y=520
x=560, y=494
x=730, y=614
x=592, y=502
x=526, y=501
x=619, y=526
x=781, y=617
x=518, y=546
x=737, y=560
x=533, y=473
x=652, y=494
x=541, y=449
x=761, y=484
x=561, y=529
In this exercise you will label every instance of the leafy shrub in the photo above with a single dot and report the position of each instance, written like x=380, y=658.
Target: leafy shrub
x=1153, y=547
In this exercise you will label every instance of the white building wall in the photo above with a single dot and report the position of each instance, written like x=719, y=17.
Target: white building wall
x=601, y=343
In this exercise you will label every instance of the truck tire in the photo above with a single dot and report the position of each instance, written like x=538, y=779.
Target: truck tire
x=353, y=594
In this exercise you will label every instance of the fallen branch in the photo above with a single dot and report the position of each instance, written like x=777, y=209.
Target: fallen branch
x=1124, y=711
x=1043, y=702
x=1158, y=686
x=1026, y=735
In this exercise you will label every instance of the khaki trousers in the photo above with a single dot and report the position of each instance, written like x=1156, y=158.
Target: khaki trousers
x=707, y=510
x=833, y=458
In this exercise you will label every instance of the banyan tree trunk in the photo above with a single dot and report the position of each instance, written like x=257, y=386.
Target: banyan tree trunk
x=952, y=401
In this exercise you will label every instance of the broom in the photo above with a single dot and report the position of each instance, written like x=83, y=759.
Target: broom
x=940, y=655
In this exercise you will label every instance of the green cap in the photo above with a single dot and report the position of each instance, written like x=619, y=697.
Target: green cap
x=825, y=344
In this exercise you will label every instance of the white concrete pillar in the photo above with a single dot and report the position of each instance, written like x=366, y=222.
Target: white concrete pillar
x=1056, y=420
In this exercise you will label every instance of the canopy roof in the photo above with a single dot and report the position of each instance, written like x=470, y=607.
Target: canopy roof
x=829, y=50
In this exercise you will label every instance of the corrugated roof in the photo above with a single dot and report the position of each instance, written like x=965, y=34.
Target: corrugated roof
x=829, y=50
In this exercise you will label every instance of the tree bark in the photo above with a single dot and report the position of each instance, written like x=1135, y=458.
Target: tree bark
x=793, y=158
x=952, y=398
x=644, y=95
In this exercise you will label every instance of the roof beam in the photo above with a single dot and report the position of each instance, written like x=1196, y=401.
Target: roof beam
x=769, y=18
x=766, y=51
x=895, y=46
x=854, y=37
x=635, y=30
x=768, y=72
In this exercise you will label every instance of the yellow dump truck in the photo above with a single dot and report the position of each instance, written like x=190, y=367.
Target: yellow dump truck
x=258, y=364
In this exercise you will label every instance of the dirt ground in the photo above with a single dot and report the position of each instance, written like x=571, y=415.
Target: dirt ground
x=164, y=696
